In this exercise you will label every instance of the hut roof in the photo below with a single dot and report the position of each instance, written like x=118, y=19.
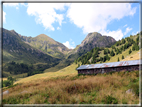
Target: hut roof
x=112, y=64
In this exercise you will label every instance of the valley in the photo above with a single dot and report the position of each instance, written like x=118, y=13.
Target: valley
x=54, y=79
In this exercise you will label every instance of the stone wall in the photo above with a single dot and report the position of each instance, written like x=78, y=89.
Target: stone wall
x=110, y=69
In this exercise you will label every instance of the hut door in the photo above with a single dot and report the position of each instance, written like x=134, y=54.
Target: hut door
x=103, y=71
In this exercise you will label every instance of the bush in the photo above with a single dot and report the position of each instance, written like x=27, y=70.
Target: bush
x=8, y=82
x=110, y=100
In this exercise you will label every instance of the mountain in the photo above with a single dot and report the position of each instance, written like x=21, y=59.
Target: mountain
x=14, y=49
x=43, y=49
x=47, y=45
x=91, y=41
x=95, y=39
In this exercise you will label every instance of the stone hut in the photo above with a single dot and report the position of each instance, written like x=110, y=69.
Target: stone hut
x=132, y=65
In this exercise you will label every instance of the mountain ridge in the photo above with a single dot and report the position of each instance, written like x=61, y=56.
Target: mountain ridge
x=13, y=45
x=47, y=45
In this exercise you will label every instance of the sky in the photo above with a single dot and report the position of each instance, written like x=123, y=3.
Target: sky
x=69, y=23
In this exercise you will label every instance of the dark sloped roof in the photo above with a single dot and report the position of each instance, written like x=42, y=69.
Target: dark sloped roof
x=112, y=64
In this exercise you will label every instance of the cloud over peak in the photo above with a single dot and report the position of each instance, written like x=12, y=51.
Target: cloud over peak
x=96, y=16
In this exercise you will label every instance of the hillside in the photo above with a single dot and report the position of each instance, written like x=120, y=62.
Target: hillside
x=91, y=41
x=120, y=50
x=67, y=71
x=64, y=87
x=14, y=49
x=47, y=45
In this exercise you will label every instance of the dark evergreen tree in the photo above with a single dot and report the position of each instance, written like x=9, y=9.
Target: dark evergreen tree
x=122, y=57
x=130, y=51
x=105, y=51
x=104, y=59
x=133, y=48
x=118, y=59
x=101, y=59
x=108, y=51
x=123, y=41
x=112, y=53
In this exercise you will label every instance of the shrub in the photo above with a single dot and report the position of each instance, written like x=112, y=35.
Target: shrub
x=8, y=82
x=135, y=88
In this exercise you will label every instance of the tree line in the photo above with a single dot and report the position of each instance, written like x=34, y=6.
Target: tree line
x=20, y=68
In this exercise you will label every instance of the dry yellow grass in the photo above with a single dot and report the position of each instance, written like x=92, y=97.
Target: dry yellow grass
x=134, y=56
x=75, y=89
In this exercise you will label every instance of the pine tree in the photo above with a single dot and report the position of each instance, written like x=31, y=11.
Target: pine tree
x=133, y=48
x=122, y=57
x=78, y=65
x=108, y=51
x=112, y=53
x=130, y=51
x=105, y=51
x=118, y=59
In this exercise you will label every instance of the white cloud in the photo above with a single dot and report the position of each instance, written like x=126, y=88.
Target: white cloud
x=117, y=35
x=69, y=45
x=134, y=33
x=127, y=30
x=45, y=13
x=4, y=19
x=58, y=28
x=96, y=16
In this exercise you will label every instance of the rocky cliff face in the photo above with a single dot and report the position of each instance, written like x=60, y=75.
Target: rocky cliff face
x=95, y=39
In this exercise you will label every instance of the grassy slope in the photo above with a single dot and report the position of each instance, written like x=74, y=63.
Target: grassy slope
x=70, y=70
x=76, y=90
x=42, y=42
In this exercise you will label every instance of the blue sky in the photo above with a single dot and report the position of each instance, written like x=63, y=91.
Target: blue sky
x=69, y=23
